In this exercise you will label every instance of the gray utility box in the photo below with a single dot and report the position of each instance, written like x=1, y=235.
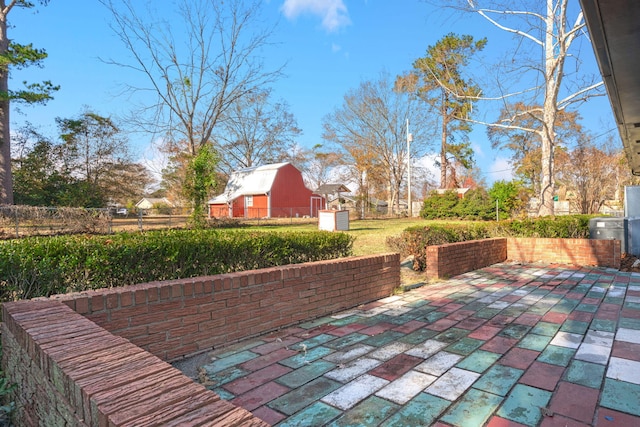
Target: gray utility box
x=627, y=230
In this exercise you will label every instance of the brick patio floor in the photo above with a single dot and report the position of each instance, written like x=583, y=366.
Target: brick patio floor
x=507, y=345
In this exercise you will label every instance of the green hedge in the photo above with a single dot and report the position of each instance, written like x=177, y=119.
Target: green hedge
x=43, y=266
x=414, y=240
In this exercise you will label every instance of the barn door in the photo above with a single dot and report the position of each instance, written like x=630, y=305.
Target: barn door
x=316, y=206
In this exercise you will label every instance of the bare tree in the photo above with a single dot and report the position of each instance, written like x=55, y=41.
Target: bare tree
x=89, y=166
x=196, y=78
x=590, y=174
x=255, y=131
x=92, y=147
x=370, y=126
x=525, y=146
x=545, y=67
x=321, y=167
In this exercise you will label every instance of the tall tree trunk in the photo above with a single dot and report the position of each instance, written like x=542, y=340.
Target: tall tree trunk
x=443, y=144
x=554, y=62
x=6, y=180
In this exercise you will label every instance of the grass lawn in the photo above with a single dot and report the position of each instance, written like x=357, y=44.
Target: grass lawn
x=370, y=234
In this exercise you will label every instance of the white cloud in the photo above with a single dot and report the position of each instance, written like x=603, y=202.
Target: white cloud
x=334, y=13
x=428, y=163
x=335, y=48
x=500, y=169
x=477, y=149
x=155, y=160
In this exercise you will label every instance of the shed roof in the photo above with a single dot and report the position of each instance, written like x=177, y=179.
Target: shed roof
x=249, y=181
x=332, y=188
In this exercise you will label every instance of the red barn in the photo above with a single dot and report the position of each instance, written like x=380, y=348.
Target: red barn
x=270, y=191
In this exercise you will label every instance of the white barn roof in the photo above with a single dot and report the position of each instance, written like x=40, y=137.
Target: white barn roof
x=249, y=181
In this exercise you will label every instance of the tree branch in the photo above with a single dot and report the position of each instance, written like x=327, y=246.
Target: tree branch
x=484, y=14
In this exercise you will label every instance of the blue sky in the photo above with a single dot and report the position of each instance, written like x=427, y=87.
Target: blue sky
x=330, y=47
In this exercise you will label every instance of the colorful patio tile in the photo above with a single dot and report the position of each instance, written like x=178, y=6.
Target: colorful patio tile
x=628, y=335
x=498, y=380
x=382, y=339
x=255, y=379
x=406, y=387
x=615, y=419
x=557, y=355
x=229, y=361
x=357, y=390
x=368, y=413
x=439, y=363
x=453, y=383
x=499, y=344
x=418, y=336
x=464, y=346
x=260, y=395
x=519, y=358
x=575, y=401
x=353, y=369
x=422, y=410
x=585, y=373
x=390, y=350
x=393, y=368
x=427, y=349
x=524, y=405
x=626, y=350
x=305, y=374
x=473, y=409
x=318, y=414
x=303, y=396
x=306, y=357
x=312, y=342
x=566, y=339
x=624, y=370
x=543, y=376
x=349, y=353
x=596, y=347
x=479, y=361
x=534, y=342
x=269, y=415
x=346, y=341
x=603, y=325
x=508, y=345
x=621, y=396
x=514, y=331
x=546, y=328
x=451, y=335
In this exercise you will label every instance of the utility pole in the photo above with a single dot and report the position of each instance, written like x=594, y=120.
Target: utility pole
x=409, y=203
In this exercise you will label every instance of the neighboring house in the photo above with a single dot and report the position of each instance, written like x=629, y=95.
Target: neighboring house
x=269, y=191
x=147, y=203
x=343, y=201
x=461, y=191
x=378, y=206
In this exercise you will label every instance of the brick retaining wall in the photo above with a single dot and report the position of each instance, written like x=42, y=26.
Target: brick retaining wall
x=98, y=357
x=456, y=258
x=72, y=372
x=603, y=253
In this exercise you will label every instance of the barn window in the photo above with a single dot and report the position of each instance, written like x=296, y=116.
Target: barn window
x=248, y=201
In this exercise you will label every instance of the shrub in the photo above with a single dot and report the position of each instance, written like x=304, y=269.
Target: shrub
x=440, y=205
x=477, y=203
x=43, y=266
x=414, y=240
x=565, y=227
